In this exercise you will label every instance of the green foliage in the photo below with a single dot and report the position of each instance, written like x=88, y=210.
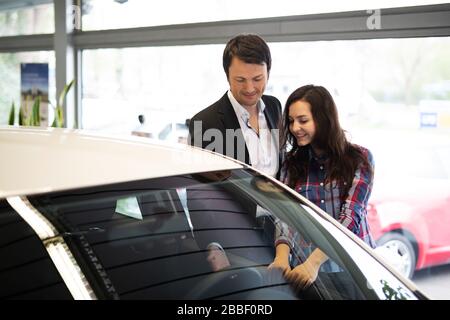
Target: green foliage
x=63, y=94
x=34, y=119
x=22, y=120
x=12, y=115
x=58, y=121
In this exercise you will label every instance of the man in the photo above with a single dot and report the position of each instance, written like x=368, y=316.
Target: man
x=243, y=124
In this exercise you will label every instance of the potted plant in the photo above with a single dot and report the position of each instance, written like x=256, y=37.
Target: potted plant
x=33, y=119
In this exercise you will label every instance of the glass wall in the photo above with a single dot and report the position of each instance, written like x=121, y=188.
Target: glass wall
x=108, y=14
x=10, y=78
x=166, y=84
x=378, y=84
x=383, y=83
x=393, y=97
x=27, y=20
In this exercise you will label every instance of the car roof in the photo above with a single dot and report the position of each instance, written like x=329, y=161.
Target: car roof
x=37, y=160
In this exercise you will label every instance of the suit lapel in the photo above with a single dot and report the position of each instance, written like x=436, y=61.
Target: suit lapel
x=230, y=121
x=270, y=115
x=228, y=116
x=273, y=117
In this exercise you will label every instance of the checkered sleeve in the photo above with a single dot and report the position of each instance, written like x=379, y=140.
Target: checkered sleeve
x=283, y=233
x=353, y=214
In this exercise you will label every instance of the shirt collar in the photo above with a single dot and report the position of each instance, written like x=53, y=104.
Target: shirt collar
x=240, y=111
x=313, y=156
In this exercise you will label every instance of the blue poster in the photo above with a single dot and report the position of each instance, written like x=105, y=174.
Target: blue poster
x=34, y=83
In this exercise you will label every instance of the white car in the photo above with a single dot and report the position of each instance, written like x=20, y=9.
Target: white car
x=84, y=216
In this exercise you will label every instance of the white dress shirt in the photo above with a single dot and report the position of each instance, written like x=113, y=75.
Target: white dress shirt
x=262, y=148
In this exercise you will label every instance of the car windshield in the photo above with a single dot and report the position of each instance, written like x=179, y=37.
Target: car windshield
x=198, y=236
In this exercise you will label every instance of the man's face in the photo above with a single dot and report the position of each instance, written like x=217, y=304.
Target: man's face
x=247, y=81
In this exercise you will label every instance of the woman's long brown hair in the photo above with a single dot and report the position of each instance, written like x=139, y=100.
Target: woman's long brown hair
x=343, y=156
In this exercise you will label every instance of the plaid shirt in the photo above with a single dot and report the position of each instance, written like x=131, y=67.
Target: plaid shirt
x=351, y=213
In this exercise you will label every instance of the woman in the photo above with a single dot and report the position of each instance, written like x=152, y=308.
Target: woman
x=323, y=166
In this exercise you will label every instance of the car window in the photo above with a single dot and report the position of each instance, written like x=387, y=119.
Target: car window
x=26, y=270
x=165, y=131
x=201, y=236
x=174, y=130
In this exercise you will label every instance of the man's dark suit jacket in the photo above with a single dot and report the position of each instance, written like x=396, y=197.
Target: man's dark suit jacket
x=221, y=116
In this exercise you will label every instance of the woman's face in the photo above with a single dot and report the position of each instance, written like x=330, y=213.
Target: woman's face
x=301, y=122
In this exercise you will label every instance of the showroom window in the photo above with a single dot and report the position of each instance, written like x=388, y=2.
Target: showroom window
x=109, y=14
x=166, y=84
x=378, y=84
x=18, y=19
x=393, y=97
x=10, y=78
x=384, y=83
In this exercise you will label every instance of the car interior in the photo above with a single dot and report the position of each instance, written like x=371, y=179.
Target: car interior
x=149, y=239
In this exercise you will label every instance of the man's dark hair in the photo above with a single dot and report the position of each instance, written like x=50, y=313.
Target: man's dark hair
x=249, y=48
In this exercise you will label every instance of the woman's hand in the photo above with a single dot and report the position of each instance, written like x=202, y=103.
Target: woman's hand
x=281, y=261
x=280, y=264
x=303, y=276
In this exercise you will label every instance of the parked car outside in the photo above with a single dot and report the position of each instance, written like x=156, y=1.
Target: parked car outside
x=173, y=131
x=409, y=211
x=126, y=218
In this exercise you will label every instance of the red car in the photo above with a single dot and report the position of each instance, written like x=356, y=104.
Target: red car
x=409, y=211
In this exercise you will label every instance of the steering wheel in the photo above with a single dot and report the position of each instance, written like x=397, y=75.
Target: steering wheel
x=226, y=281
